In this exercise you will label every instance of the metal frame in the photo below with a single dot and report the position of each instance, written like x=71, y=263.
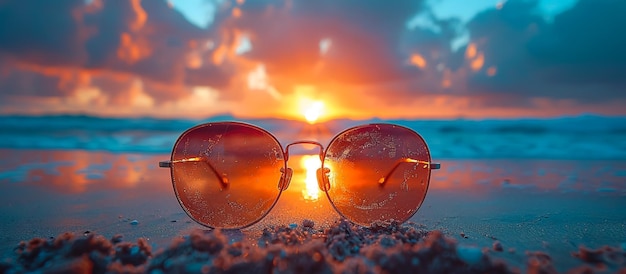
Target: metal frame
x=322, y=172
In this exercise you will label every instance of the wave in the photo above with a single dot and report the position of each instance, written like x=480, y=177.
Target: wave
x=581, y=137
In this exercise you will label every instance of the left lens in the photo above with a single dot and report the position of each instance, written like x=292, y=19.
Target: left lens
x=377, y=173
x=227, y=174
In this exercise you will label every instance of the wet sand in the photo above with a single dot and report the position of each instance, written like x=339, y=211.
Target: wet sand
x=517, y=214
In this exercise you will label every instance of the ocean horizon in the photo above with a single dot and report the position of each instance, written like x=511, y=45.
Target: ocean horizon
x=583, y=137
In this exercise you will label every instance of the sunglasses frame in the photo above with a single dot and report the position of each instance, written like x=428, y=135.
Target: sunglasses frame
x=286, y=171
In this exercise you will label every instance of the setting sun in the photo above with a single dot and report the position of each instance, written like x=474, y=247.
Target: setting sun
x=311, y=163
x=313, y=111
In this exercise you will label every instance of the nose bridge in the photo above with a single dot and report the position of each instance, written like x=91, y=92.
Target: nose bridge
x=320, y=146
x=283, y=184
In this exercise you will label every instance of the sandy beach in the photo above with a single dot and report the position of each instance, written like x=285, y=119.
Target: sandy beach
x=309, y=133
x=518, y=215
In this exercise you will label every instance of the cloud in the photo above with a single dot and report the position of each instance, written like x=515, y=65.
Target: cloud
x=344, y=49
x=152, y=41
x=104, y=39
x=585, y=45
x=363, y=37
x=358, y=56
x=579, y=56
x=42, y=32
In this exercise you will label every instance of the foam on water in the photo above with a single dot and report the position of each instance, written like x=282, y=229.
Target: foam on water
x=582, y=137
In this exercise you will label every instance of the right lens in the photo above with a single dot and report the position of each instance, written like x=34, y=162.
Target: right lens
x=361, y=158
x=233, y=178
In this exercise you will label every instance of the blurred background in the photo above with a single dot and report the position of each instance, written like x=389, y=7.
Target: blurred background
x=523, y=97
x=484, y=78
x=407, y=59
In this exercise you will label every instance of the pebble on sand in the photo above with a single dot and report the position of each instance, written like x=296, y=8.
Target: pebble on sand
x=497, y=246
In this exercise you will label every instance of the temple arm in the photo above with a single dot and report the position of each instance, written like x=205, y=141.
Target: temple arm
x=430, y=165
x=222, y=178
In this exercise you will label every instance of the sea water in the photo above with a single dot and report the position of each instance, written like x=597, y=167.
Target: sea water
x=584, y=137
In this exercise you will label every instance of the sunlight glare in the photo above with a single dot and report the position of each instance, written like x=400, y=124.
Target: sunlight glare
x=311, y=163
x=313, y=111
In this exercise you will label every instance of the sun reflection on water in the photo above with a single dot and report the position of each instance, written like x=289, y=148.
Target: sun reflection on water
x=310, y=163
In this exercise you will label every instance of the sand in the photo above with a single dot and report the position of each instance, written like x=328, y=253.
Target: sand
x=343, y=248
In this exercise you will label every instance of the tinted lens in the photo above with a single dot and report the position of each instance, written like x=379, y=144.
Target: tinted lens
x=359, y=158
x=227, y=174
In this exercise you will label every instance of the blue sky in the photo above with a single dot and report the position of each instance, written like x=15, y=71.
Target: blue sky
x=202, y=12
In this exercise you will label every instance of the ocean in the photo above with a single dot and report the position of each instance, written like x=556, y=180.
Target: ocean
x=584, y=137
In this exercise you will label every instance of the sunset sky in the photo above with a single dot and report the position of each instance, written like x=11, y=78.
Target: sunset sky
x=343, y=58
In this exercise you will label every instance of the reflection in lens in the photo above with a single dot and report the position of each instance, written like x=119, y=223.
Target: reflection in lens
x=361, y=156
x=311, y=163
x=247, y=158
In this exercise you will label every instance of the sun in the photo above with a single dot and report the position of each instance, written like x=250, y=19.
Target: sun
x=313, y=110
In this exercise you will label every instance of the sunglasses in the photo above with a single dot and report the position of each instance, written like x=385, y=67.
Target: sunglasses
x=231, y=174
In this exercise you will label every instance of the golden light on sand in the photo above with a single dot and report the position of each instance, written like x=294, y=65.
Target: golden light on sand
x=313, y=110
x=310, y=163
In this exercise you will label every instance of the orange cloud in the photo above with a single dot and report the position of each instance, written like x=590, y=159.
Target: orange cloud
x=131, y=50
x=140, y=15
x=418, y=60
x=236, y=12
x=470, y=52
x=477, y=63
